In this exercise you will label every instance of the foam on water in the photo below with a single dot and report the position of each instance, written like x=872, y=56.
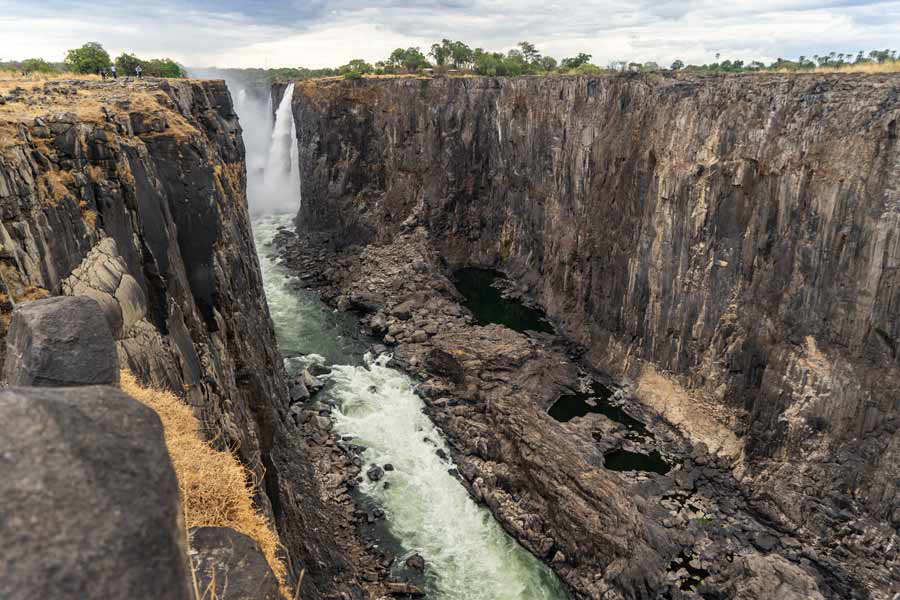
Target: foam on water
x=470, y=556
x=428, y=510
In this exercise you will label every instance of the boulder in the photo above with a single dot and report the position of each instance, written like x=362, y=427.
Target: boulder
x=299, y=393
x=231, y=564
x=90, y=501
x=60, y=341
x=312, y=383
x=403, y=311
x=375, y=473
x=416, y=562
x=445, y=364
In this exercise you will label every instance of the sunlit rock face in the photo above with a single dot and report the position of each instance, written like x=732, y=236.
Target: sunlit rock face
x=738, y=233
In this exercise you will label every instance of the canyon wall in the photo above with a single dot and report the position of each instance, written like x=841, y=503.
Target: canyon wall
x=133, y=193
x=739, y=234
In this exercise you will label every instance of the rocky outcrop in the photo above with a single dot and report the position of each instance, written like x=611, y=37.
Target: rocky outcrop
x=133, y=193
x=735, y=234
x=230, y=565
x=91, y=503
x=61, y=341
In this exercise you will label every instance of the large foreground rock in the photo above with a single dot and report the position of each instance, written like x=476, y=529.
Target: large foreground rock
x=90, y=505
x=232, y=565
x=60, y=341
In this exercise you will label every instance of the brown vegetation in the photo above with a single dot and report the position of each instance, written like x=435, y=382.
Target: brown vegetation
x=216, y=489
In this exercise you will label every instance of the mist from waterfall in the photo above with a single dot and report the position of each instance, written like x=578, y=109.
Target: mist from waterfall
x=277, y=188
x=270, y=142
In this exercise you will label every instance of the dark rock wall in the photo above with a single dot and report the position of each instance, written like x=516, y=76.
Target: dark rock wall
x=145, y=211
x=740, y=233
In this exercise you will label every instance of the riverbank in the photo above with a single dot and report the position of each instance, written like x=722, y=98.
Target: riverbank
x=488, y=388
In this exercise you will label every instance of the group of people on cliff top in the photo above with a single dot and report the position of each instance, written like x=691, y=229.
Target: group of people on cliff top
x=138, y=72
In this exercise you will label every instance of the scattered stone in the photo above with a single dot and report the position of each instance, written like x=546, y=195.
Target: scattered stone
x=299, y=393
x=416, y=562
x=375, y=473
x=419, y=337
x=396, y=588
x=312, y=383
x=317, y=370
x=403, y=311
x=388, y=467
x=441, y=454
x=443, y=363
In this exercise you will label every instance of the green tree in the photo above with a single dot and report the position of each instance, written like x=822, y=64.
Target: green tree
x=90, y=58
x=356, y=65
x=529, y=52
x=164, y=67
x=576, y=61
x=126, y=63
x=37, y=65
x=460, y=55
x=677, y=65
x=548, y=63
x=410, y=59
x=441, y=52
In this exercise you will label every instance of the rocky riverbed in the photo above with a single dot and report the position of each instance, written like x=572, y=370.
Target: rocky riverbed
x=694, y=531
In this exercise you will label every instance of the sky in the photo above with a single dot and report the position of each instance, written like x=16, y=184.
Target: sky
x=321, y=33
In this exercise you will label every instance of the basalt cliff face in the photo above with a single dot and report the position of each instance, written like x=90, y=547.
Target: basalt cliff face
x=133, y=193
x=729, y=245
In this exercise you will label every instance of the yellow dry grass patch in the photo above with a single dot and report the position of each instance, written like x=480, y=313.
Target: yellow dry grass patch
x=215, y=487
x=870, y=68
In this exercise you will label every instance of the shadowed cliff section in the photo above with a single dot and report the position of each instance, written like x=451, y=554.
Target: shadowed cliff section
x=738, y=233
x=133, y=193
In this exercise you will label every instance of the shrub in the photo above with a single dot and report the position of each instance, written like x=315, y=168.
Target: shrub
x=37, y=65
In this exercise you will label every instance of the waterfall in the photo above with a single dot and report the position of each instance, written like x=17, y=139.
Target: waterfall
x=279, y=188
x=470, y=556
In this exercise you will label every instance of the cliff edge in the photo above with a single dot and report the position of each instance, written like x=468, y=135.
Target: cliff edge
x=133, y=193
x=728, y=244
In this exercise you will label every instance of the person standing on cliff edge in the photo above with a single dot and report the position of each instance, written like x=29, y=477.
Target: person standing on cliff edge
x=138, y=70
x=112, y=71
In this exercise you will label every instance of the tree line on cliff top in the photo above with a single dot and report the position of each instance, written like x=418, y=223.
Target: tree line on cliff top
x=92, y=58
x=458, y=58
x=451, y=57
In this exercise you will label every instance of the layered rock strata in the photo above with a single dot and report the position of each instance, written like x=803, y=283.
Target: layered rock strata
x=729, y=244
x=133, y=193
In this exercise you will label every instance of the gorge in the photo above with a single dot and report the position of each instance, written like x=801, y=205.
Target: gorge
x=546, y=337
x=727, y=245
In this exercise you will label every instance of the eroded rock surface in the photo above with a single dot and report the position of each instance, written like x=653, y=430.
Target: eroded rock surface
x=230, y=565
x=133, y=193
x=91, y=506
x=728, y=243
x=61, y=341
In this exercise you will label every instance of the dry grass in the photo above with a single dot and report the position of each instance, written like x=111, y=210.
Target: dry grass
x=870, y=68
x=17, y=76
x=215, y=487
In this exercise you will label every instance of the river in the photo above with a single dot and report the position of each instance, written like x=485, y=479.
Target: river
x=468, y=555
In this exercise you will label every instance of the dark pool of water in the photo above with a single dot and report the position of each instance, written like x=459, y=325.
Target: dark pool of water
x=489, y=306
x=623, y=460
x=595, y=400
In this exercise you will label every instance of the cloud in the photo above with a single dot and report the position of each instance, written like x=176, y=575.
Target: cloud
x=330, y=32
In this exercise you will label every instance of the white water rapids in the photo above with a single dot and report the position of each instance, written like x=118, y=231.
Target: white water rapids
x=468, y=555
